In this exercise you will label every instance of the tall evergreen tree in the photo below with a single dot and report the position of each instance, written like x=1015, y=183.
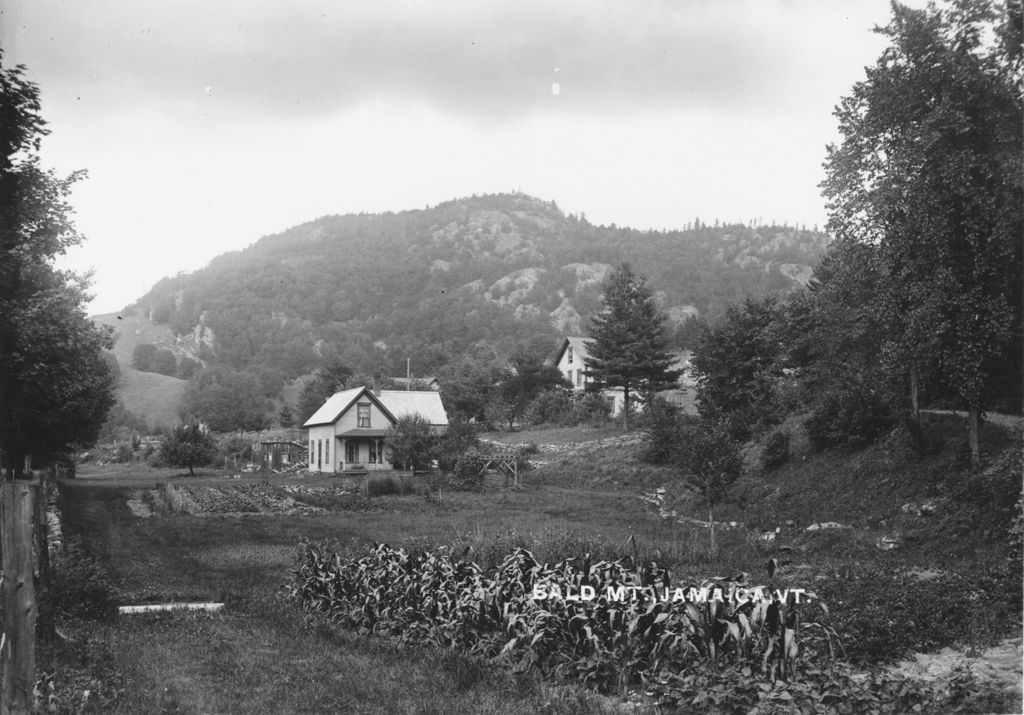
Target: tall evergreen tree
x=630, y=348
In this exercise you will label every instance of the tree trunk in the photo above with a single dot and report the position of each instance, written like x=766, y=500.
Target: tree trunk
x=973, y=424
x=711, y=527
x=18, y=655
x=625, y=408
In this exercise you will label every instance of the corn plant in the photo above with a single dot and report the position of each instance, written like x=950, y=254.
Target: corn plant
x=587, y=633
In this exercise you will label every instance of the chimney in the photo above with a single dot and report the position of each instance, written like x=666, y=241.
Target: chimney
x=376, y=390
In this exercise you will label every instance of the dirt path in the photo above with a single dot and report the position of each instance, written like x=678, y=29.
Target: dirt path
x=996, y=418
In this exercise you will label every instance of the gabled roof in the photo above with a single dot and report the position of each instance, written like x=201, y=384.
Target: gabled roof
x=393, y=403
x=579, y=348
x=416, y=380
x=338, y=403
x=402, y=403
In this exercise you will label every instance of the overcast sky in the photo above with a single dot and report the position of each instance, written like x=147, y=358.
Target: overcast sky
x=206, y=125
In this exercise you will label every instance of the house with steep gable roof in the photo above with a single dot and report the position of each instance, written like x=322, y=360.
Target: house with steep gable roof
x=349, y=431
x=571, y=362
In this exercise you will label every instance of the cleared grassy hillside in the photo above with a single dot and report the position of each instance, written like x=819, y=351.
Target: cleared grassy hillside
x=154, y=397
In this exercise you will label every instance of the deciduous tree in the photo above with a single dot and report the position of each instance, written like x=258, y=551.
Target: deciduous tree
x=188, y=445
x=225, y=400
x=526, y=377
x=930, y=168
x=55, y=385
x=411, y=442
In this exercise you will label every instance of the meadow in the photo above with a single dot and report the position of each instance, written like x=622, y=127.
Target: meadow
x=262, y=654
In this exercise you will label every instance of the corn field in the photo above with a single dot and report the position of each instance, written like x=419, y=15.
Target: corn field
x=609, y=624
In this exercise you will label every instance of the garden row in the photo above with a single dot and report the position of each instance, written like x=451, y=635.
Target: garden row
x=610, y=625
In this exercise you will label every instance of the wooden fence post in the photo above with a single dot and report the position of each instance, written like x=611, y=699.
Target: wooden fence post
x=18, y=657
x=43, y=488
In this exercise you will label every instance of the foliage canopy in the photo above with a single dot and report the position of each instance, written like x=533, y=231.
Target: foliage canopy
x=55, y=382
x=630, y=347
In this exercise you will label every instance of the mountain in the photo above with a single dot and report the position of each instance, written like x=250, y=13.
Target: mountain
x=497, y=272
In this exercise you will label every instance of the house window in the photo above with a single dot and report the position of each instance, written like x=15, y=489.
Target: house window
x=374, y=452
x=570, y=354
x=363, y=416
x=310, y=451
x=579, y=378
x=319, y=451
x=352, y=451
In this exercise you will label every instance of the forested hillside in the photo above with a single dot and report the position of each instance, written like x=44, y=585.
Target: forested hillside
x=503, y=272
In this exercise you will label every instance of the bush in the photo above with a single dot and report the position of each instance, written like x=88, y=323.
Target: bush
x=382, y=486
x=854, y=415
x=884, y=616
x=80, y=586
x=833, y=687
x=458, y=439
x=709, y=458
x=123, y=453
x=411, y=442
x=593, y=409
x=661, y=423
x=776, y=451
x=469, y=473
x=566, y=409
x=552, y=407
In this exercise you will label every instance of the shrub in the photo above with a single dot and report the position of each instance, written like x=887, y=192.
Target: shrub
x=469, y=472
x=883, y=616
x=661, y=424
x=458, y=439
x=854, y=415
x=776, y=451
x=708, y=457
x=551, y=407
x=381, y=486
x=592, y=409
x=833, y=687
x=123, y=453
x=80, y=586
x=411, y=442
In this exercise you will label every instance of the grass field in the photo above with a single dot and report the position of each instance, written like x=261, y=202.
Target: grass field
x=156, y=396
x=262, y=656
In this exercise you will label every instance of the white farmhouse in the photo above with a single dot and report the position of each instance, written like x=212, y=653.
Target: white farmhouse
x=348, y=433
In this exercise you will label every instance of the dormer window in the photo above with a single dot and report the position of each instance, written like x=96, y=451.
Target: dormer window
x=363, y=415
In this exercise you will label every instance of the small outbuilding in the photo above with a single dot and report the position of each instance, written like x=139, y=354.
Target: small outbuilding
x=281, y=454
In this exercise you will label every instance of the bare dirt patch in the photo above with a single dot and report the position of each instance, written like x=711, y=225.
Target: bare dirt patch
x=230, y=499
x=999, y=667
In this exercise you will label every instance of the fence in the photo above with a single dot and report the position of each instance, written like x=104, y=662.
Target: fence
x=28, y=537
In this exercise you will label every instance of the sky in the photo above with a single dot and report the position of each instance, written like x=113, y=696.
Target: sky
x=204, y=126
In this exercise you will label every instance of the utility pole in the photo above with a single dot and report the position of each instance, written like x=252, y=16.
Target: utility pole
x=408, y=374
